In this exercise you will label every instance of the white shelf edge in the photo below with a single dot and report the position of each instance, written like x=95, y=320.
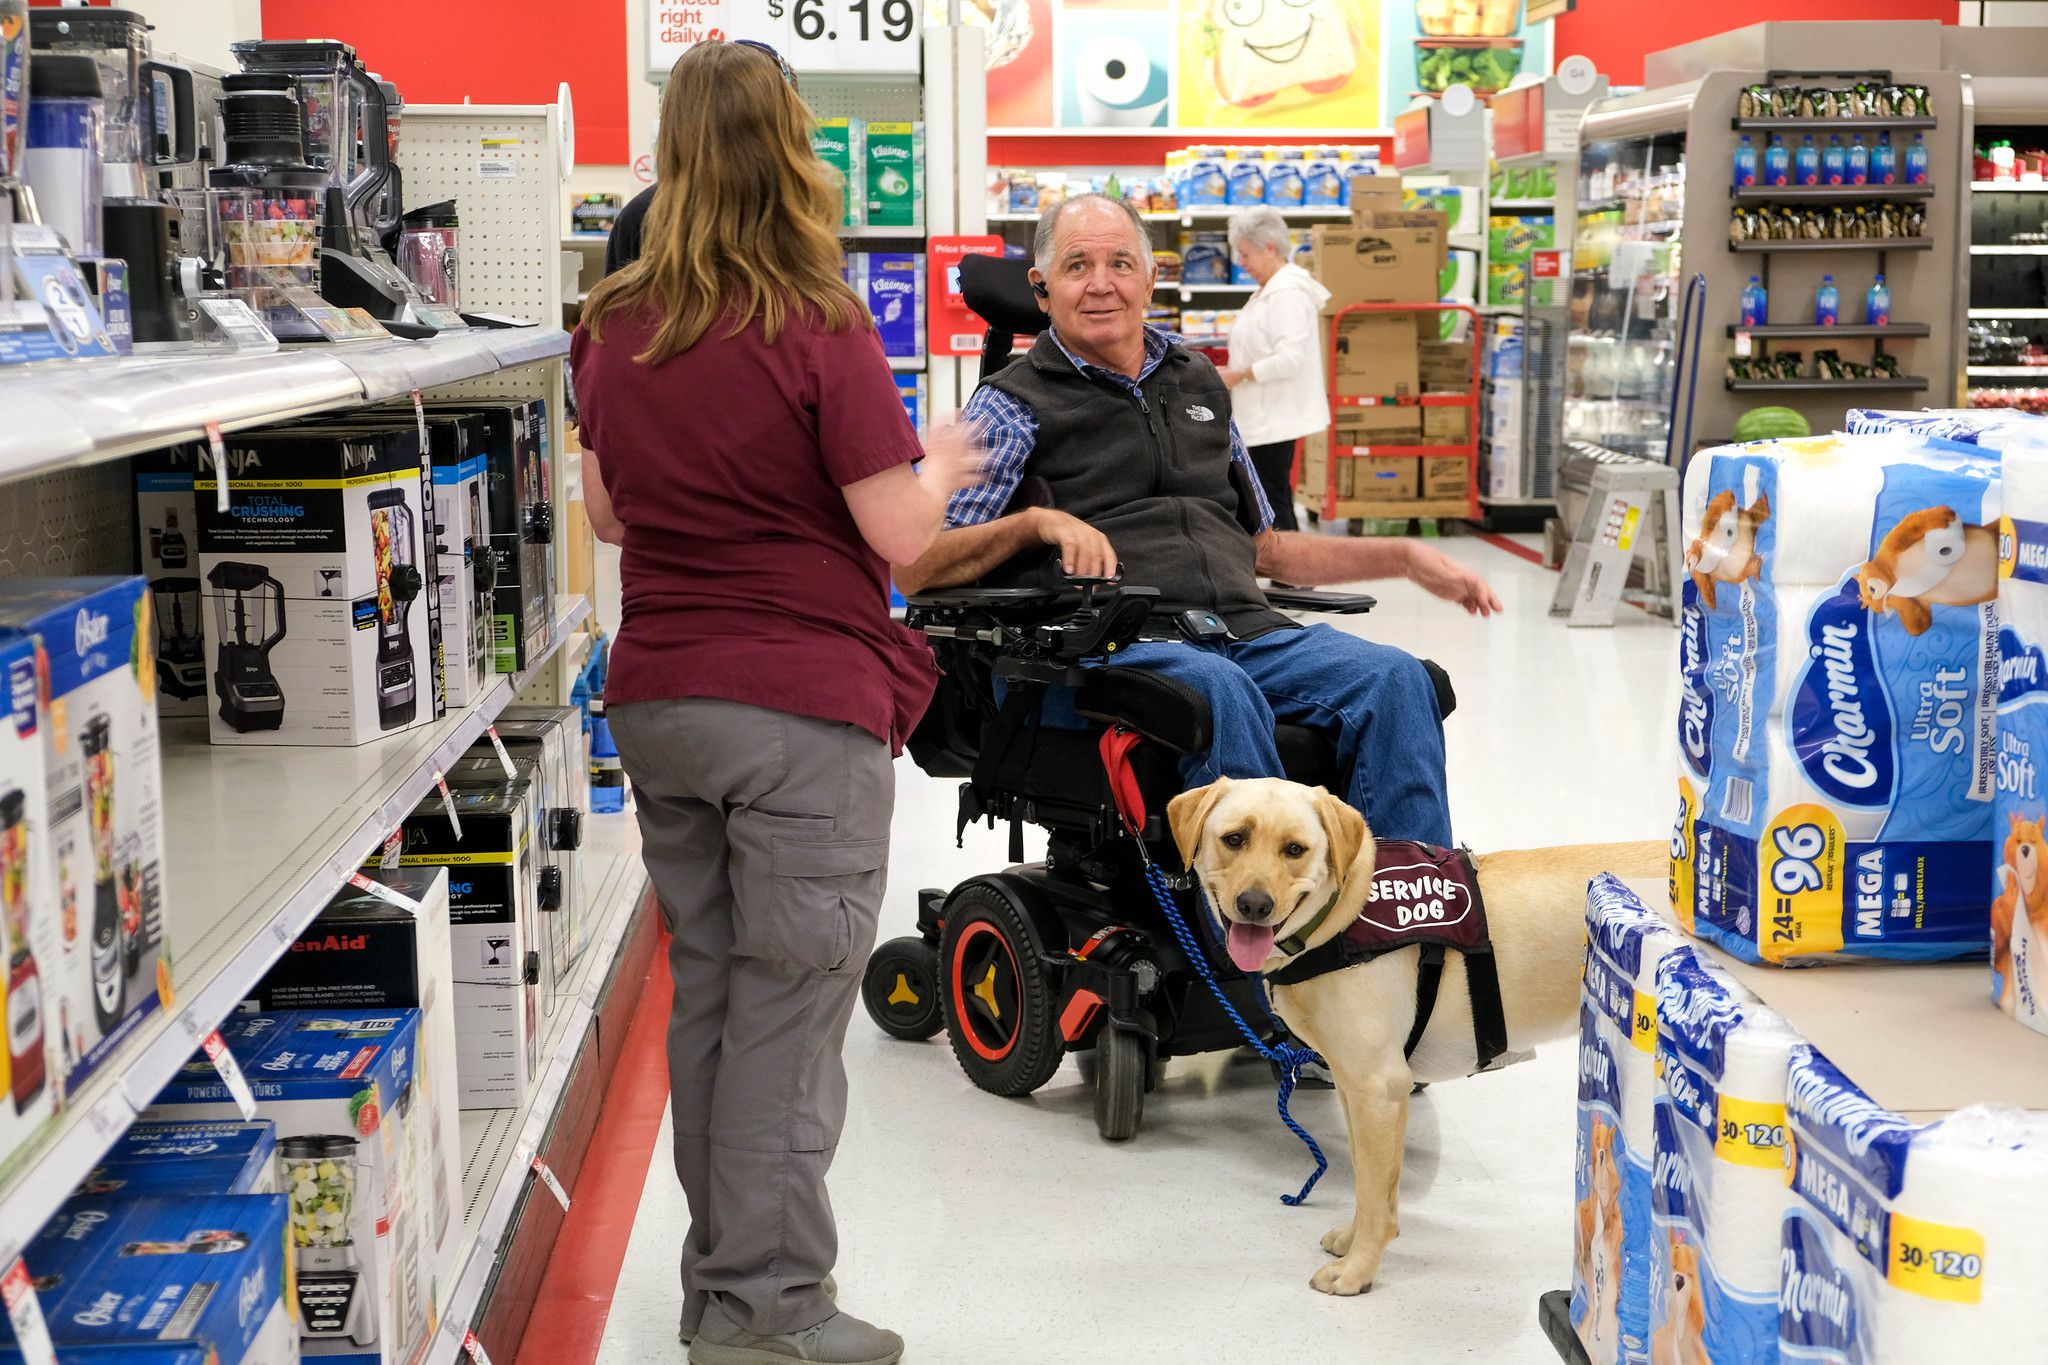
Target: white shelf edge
x=2009, y=312
x=907, y=364
x=1205, y=288
x=866, y=233
x=1540, y=205
x=2009, y=250
x=1204, y=212
x=2008, y=371
x=2010, y=186
x=1200, y=135
x=61, y=1155
x=585, y=238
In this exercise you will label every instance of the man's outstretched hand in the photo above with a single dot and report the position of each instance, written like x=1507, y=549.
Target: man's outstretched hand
x=1084, y=551
x=1441, y=576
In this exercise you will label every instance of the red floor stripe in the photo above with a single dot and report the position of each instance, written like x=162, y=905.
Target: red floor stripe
x=576, y=1293
x=1515, y=548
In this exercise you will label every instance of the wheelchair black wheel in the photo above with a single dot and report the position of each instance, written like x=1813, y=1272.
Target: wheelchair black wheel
x=901, y=989
x=1119, y=1083
x=998, y=1001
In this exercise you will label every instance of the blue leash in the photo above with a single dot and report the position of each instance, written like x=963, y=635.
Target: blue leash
x=1289, y=1058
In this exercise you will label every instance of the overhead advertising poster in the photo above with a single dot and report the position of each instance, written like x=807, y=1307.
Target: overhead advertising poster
x=1276, y=65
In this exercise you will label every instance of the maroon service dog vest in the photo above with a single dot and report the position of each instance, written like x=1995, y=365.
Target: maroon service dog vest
x=1421, y=897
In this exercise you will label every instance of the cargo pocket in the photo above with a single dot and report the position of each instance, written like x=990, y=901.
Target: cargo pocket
x=826, y=897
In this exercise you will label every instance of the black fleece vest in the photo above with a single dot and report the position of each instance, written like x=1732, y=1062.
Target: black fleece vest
x=1152, y=472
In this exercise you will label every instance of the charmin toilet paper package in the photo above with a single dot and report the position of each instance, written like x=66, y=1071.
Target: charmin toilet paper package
x=2019, y=904
x=1838, y=699
x=1617, y=1090
x=1992, y=427
x=1719, y=1194
x=1908, y=1244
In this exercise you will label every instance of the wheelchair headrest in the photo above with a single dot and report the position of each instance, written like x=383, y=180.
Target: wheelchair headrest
x=999, y=292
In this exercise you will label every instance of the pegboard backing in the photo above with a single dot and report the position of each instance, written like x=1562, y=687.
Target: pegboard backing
x=882, y=101
x=73, y=521
x=501, y=165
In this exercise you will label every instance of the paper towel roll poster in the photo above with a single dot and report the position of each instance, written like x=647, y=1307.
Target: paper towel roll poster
x=1119, y=83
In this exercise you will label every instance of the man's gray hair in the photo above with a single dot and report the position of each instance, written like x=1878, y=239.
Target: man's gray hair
x=1049, y=222
x=1261, y=226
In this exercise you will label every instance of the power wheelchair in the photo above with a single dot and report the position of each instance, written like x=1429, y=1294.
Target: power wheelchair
x=1072, y=953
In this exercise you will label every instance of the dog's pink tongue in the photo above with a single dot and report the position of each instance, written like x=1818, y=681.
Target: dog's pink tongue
x=1250, y=946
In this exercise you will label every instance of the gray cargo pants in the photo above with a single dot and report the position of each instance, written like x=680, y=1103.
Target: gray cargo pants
x=766, y=836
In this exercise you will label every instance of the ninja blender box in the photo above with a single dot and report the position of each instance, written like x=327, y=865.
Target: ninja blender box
x=167, y=535
x=556, y=833
x=493, y=895
x=361, y=1191
x=566, y=793
x=312, y=579
x=105, y=965
x=170, y=1274
x=517, y=500
x=29, y=924
x=152, y=1160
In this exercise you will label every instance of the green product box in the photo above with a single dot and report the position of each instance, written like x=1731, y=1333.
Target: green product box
x=895, y=174
x=1512, y=239
x=838, y=143
x=1506, y=285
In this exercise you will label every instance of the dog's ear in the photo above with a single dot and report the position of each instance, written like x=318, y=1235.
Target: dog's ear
x=1346, y=831
x=1188, y=812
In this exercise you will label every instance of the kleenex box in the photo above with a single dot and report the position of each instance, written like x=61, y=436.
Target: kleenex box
x=205, y=1158
x=891, y=283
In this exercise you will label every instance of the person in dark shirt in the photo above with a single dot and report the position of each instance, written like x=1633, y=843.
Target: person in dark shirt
x=623, y=246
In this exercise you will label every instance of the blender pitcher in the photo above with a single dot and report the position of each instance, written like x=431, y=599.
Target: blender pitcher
x=320, y=1177
x=24, y=982
x=265, y=203
x=180, y=647
x=245, y=595
x=398, y=583
x=109, y=983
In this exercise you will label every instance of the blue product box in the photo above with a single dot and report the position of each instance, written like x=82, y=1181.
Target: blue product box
x=154, y=1159
x=1204, y=258
x=1285, y=184
x=1244, y=180
x=1206, y=182
x=911, y=388
x=891, y=283
x=205, y=1272
x=127, y=1353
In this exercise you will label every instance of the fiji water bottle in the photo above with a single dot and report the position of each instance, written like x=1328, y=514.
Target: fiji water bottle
x=1834, y=162
x=1777, y=163
x=1755, y=307
x=1806, y=163
x=1745, y=165
x=1827, y=304
x=1859, y=162
x=1916, y=161
x=607, y=773
x=1884, y=162
x=1878, y=304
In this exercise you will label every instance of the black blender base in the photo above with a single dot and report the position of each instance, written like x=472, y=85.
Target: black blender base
x=390, y=718
x=246, y=722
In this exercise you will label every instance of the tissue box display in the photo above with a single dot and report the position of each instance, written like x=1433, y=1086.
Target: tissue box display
x=1720, y=1191
x=1617, y=1091
x=1838, y=698
x=1909, y=1244
x=188, y=1158
x=891, y=284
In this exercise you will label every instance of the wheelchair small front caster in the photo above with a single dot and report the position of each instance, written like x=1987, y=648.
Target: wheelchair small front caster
x=1119, y=1083
x=901, y=989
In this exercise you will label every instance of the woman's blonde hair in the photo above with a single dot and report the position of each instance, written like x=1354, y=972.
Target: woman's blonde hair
x=742, y=223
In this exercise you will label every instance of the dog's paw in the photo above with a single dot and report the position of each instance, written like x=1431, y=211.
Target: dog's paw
x=1342, y=1278
x=1337, y=1241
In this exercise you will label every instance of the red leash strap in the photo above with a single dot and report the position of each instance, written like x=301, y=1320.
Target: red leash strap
x=1116, y=746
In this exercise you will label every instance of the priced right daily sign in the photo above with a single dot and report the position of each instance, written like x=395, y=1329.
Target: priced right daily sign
x=830, y=37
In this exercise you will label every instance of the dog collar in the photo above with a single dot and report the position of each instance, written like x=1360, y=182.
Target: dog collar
x=1293, y=944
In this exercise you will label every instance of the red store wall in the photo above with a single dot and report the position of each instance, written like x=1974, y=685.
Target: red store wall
x=1616, y=33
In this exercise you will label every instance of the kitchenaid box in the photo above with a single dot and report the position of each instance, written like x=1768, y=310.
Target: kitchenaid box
x=152, y=1160
x=95, y=683
x=28, y=906
x=312, y=582
x=168, y=1273
x=342, y=1088
x=517, y=499
x=167, y=541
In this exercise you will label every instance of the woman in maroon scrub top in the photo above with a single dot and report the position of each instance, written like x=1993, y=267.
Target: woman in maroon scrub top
x=754, y=461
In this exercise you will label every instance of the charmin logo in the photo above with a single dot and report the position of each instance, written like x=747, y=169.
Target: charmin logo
x=90, y=630
x=1696, y=699
x=1816, y=1304
x=1201, y=414
x=2020, y=667
x=1841, y=719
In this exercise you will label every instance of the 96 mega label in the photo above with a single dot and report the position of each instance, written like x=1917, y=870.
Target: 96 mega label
x=1801, y=856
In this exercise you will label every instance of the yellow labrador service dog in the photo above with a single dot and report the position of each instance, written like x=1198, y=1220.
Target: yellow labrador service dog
x=1290, y=869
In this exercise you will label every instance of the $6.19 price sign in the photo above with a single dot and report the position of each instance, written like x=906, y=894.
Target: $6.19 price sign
x=825, y=36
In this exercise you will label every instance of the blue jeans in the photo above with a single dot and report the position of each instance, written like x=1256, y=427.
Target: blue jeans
x=1376, y=702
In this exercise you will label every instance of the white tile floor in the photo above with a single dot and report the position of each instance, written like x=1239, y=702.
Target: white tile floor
x=1004, y=1232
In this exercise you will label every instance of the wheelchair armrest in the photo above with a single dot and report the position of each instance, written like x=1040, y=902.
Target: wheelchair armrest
x=1311, y=599
x=986, y=599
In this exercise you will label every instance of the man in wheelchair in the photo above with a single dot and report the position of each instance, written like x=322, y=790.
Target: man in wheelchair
x=1112, y=448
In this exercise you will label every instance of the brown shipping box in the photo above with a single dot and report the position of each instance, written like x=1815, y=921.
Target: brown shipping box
x=1376, y=358
x=1444, y=366
x=1445, y=426
x=1366, y=479
x=1375, y=265
x=1443, y=477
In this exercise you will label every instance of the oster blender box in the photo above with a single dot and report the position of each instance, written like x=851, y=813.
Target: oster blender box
x=345, y=1091
x=517, y=499
x=155, y=1159
x=170, y=1274
x=28, y=907
x=106, y=965
x=167, y=549
x=313, y=580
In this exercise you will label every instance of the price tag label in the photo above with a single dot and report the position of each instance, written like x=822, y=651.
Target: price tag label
x=217, y=451
x=419, y=415
x=394, y=844
x=241, y=327
x=549, y=1179
x=448, y=802
x=216, y=1048
x=474, y=1349
x=110, y=1117
x=504, y=758
x=25, y=1311
x=370, y=886
x=1744, y=345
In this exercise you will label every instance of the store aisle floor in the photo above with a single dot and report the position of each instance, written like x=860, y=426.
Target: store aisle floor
x=998, y=1232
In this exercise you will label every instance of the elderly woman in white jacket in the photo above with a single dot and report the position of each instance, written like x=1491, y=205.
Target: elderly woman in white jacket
x=1276, y=356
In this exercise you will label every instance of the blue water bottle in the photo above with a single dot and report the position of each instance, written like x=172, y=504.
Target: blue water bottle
x=607, y=774
x=1745, y=165
x=1755, y=306
x=1834, y=162
x=1916, y=161
x=1859, y=162
x=1827, y=304
x=1777, y=163
x=1878, y=304
x=1806, y=163
x=1884, y=162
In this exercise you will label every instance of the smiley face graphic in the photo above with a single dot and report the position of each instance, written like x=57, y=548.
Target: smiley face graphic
x=1262, y=48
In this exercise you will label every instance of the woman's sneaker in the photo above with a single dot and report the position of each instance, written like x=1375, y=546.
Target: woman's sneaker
x=688, y=1332
x=841, y=1339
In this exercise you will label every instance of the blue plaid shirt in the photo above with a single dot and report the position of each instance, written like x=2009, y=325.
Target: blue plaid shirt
x=1009, y=431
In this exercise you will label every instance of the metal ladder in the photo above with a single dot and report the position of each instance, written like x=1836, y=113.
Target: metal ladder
x=1629, y=514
